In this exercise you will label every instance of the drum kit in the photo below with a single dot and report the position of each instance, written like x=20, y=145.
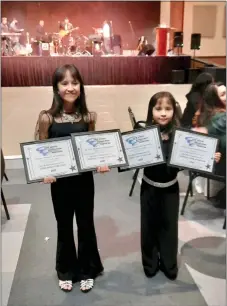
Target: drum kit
x=76, y=45
x=11, y=45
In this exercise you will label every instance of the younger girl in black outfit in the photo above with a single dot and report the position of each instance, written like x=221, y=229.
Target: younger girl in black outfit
x=159, y=196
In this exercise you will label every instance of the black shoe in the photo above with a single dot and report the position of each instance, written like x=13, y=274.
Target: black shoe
x=170, y=276
x=150, y=275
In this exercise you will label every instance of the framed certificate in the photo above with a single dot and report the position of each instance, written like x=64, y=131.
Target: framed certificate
x=52, y=157
x=192, y=150
x=95, y=149
x=143, y=148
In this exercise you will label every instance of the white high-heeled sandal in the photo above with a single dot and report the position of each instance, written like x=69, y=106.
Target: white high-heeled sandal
x=86, y=285
x=66, y=285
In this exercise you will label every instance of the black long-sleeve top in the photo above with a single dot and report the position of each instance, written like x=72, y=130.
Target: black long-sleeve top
x=162, y=173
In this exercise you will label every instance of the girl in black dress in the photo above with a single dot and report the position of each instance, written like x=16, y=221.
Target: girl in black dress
x=159, y=197
x=72, y=195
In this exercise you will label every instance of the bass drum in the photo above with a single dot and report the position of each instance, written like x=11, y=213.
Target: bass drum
x=89, y=46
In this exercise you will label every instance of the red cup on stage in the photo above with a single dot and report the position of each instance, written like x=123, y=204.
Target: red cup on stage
x=162, y=36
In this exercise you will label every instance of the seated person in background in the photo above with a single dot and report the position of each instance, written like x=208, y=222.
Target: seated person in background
x=194, y=98
x=212, y=117
x=212, y=121
x=221, y=88
x=142, y=42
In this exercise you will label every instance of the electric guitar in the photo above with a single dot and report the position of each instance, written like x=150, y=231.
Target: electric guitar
x=63, y=33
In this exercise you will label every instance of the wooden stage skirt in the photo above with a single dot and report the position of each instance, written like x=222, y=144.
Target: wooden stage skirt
x=95, y=70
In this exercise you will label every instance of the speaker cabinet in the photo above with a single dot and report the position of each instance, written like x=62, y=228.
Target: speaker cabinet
x=178, y=39
x=195, y=41
x=178, y=77
x=116, y=40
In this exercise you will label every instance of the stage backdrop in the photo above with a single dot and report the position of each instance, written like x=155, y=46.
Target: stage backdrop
x=144, y=16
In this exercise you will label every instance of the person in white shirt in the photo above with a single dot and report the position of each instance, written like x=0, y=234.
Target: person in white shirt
x=107, y=36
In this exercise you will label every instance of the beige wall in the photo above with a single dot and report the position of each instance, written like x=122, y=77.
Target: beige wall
x=21, y=106
x=215, y=46
x=165, y=13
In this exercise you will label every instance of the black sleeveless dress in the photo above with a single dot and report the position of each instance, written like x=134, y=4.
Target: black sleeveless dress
x=75, y=196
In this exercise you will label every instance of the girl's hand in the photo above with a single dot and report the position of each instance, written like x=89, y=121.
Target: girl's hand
x=49, y=180
x=200, y=130
x=103, y=169
x=217, y=157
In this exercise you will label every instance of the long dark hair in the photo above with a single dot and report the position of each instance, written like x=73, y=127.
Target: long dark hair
x=154, y=100
x=80, y=102
x=211, y=104
x=202, y=81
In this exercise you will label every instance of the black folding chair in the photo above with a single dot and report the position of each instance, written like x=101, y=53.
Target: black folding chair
x=4, y=205
x=194, y=175
x=131, y=117
x=2, y=194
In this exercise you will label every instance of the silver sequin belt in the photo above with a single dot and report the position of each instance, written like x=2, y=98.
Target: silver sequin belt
x=160, y=185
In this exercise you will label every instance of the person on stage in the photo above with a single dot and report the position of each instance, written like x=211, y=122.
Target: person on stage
x=106, y=30
x=5, y=39
x=40, y=33
x=72, y=195
x=65, y=27
x=142, y=42
x=159, y=196
x=13, y=28
x=4, y=25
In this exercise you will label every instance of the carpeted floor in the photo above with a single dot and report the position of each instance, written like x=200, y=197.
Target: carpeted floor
x=117, y=224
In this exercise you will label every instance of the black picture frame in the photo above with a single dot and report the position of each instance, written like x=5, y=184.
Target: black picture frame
x=51, y=140
x=73, y=135
x=191, y=168
x=124, y=169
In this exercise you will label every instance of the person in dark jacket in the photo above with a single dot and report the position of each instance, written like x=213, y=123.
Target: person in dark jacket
x=194, y=98
x=212, y=121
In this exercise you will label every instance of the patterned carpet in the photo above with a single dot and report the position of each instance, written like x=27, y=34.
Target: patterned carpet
x=28, y=275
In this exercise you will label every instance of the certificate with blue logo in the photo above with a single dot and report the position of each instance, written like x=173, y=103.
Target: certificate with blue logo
x=95, y=149
x=143, y=148
x=192, y=150
x=52, y=157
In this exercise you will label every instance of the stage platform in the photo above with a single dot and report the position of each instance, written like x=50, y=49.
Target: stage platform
x=96, y=70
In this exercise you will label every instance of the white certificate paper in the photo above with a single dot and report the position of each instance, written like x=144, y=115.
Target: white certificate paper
x=98, y=149
x=193, y=151
x=143, y=147
x=49, y=158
